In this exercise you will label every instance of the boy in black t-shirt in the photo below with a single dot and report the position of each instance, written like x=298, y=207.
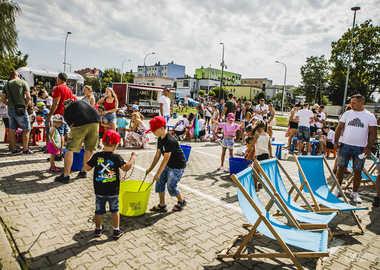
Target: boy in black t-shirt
x=172, y=167
x=107, y=180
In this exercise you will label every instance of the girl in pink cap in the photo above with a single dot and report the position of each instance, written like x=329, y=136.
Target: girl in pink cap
x=229, y=130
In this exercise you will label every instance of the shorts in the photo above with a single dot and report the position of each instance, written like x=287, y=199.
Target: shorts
x=262, y=156
x=202, y=133
x=272, y=123
x=109, y=117
x=346, y=152
x=63, y=129
x=169, y=177
x=100, y=204
x=329, y=145
x=87, y=133
x=51, y=149
x=167, y=118
x=293, y=124
x=304, y=133
x=101, y=133
x=121, y=133
x=201, y=115
x=228, y=143
x=16, y=120
x=207, y=118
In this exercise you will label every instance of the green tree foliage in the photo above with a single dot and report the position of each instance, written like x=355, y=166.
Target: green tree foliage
x=211, y=93
x=112, y=75
x=223, y=93
x=259, y=96
x=12, y=62
x=364, y=77
x=94, y=82
x=201, y=93
x=9, y=10
x=314, y=78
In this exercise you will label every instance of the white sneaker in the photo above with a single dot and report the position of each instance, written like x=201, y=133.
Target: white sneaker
x=308, y=154
x=221, y=168
x=355, y=197
x=227, y=170
x=336, y=192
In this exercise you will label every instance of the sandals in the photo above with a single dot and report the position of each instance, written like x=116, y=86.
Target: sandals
x=259, y=186
x=159, y=208
x=179, y=207
x=55, y=169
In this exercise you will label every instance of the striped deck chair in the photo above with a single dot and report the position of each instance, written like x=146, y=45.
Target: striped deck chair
x=312, y=177
x=315, y=243
x=271, y=179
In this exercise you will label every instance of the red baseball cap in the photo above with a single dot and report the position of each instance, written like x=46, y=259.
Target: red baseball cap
x=111, y=137
x=156, y=123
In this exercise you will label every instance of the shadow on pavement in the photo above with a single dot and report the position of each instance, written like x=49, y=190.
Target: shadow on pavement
x=374, y=216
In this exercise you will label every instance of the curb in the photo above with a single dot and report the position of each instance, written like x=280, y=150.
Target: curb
x=7, y=256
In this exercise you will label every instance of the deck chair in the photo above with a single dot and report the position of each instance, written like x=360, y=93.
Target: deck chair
x=272, y=180
x=262, y=222
x=313, y=177
x=368, y=179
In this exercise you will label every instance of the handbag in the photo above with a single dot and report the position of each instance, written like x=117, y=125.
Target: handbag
x=19, y=107
x=3, y=110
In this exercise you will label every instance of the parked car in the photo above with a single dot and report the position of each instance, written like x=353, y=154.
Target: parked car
x=192, y=102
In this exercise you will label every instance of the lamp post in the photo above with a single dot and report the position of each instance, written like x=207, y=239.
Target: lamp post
x=145, y=66
x=354, y=9
x=283, y=90
x=121, y=75
x=69, y=65
x=64, y=60
x=221, y=77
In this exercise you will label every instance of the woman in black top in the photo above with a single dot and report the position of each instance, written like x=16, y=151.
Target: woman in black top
x=293, y=124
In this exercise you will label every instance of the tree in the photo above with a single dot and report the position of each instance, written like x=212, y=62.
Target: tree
x=314, y=78
x=12, y=62
x=259, y=96
x=94, y=82
x=8, y=33
x=211, y=93
x=201, y=93
x=364, y=77
x=223, y=93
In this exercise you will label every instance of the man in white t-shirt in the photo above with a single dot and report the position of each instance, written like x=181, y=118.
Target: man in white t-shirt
x=304, y=117
x=164, y=102
x=356, y=123
x=261, y=110
x=181, y=128
x=320, y=118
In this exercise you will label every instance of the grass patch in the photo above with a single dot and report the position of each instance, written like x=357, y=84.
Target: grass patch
x=183, y=110
x=282, y=121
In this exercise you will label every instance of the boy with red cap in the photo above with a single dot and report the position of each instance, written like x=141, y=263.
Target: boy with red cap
x=107, y=180
x=172, y=167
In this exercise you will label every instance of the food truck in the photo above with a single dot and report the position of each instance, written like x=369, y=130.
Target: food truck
x=145, y=96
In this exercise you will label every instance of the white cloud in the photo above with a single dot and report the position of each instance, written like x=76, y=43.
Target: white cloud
x=255, y=33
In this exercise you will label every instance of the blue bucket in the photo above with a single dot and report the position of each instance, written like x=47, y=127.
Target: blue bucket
x=238, y=164
x=186, y=149
x=78, y=161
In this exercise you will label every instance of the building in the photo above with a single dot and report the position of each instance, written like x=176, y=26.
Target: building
x=243, y=91
x=257, y=82
x=154, y=81
x=169, y=70
x=88, y=72
x=229, y=78
x=191, y=86
x=273, y=90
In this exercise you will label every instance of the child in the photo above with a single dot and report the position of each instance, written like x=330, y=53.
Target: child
x=208, y=112
x=181, y=128
x=229, y=130
x=107, y=181
x=171, y=168
x=121, y=123
x=54, y=144
x=327, y=142
x=214, y=127
x=201, y=128
x=260, y=144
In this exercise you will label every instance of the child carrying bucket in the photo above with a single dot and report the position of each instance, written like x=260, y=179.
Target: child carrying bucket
x=54, y=144
x=171, y=168
x=107, y=181
x=229, y=131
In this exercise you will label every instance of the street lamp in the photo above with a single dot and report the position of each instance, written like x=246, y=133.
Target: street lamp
x=145, y=66
x=349, y=58
x=64, y=60
x=221, y=77
x=69, y=65
x=283, y=90
x=121, y=77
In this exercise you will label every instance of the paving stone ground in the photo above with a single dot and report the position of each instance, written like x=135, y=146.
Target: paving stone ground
x=52, y=223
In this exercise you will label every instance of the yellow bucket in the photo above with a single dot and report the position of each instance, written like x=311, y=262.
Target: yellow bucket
x=133, y=203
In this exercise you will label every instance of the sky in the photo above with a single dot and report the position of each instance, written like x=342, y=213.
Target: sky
x=255, y=33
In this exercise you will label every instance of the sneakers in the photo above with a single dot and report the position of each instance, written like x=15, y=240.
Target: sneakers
x=16, y=152
x=55, y=169
x=336, y=192
x=98, y=232
x=117, y=234
x=28, y=152
x=355, y=197
x=82, y=174
x=62, y=179
x=308, y=154
x=227, y=170
x=376, y=202
x=221, y=168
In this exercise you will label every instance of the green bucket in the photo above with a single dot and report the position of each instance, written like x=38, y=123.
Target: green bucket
x=133, y=203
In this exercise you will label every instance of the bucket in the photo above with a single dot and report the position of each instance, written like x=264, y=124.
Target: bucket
x=238, y=164
x=78, y=161
x=186, y=149
x=131, y=202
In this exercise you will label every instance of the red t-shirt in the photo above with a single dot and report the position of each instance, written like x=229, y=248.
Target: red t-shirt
x=64, y=92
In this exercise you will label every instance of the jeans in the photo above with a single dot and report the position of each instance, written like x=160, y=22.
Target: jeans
x=349, y=151
x=16, y=120
x=100, y=204
x=304, y=133
x=169, y=177
x=167, y=118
